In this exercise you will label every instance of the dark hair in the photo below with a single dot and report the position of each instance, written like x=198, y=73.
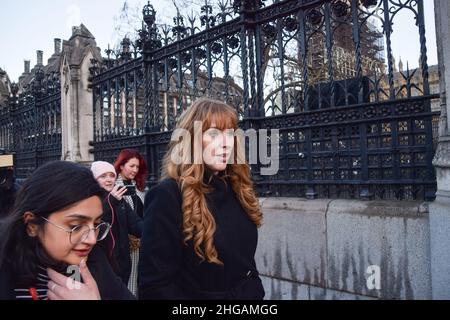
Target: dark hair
x=53, y=187
x=125, y=156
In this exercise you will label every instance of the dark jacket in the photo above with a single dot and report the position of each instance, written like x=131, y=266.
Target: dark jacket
x=108, y=283
x=168, y=269
x=125, y=222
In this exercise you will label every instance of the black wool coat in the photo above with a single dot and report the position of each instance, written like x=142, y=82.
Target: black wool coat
x=169, y=269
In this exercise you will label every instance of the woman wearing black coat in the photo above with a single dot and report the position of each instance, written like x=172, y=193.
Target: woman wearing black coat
x=200, y=223
x=118, y=213
x=48, y=244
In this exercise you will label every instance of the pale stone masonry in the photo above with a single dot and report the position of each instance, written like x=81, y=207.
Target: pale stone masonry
x=77, y=114
x=327, y=249
x=440, y=208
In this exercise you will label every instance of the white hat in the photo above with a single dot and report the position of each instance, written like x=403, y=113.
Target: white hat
x=100, y=167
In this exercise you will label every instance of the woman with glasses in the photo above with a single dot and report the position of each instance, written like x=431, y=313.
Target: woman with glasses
x=48, y=243
x=118, y=213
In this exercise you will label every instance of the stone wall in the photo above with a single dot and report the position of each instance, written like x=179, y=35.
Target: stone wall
x=440, y=209
x=322, y=249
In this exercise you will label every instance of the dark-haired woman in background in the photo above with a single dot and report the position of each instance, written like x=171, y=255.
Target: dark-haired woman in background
x=132, y=170
x=51, y=235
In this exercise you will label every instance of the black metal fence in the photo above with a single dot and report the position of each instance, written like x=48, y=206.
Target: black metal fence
x=321, y=72
x=30, y=126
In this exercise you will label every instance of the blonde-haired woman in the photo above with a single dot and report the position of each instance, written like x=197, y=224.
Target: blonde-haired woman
x=200, y=223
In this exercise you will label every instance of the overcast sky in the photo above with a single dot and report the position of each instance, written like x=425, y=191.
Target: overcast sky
x=29, y=25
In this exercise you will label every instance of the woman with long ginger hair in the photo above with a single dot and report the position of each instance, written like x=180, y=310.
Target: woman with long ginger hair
x=200, y=224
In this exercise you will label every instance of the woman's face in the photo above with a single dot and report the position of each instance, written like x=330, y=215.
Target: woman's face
x=56, y=241
x=130, y=169
x=217, y=148
x=107, y=181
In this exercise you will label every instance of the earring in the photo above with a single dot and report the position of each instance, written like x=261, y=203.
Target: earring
x=32, y=233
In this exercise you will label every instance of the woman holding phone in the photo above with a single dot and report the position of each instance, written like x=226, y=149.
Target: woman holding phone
x=131, y=170
x=120, y=216
x=48, y=242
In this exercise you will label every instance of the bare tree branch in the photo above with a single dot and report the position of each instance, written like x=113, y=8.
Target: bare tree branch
x=286, y=86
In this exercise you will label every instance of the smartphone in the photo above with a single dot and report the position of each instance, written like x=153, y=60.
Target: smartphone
x=131, y=191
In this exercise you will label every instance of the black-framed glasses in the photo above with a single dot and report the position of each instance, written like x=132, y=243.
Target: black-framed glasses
x=80, y=233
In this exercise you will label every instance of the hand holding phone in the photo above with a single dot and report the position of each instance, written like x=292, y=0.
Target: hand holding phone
x=118, y=192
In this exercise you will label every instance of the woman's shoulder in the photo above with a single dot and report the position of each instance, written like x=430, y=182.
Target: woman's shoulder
x=166, y=187
x=165, y=190
x=168, y=184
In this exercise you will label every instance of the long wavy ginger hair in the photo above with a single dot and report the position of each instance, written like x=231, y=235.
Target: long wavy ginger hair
x=198, y=222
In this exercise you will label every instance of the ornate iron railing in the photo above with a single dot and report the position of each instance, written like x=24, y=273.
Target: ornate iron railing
x=31, y=124
x=321, y=72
